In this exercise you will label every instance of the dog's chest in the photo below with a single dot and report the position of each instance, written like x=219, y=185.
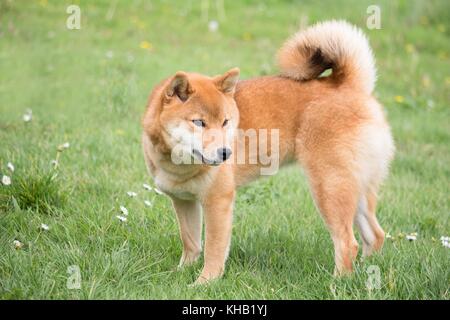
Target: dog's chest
x=190, y=189
x=179, y=194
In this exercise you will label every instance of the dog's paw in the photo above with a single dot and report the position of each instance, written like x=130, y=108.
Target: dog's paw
x=201, y=281
x=188, y=258
x=207, y=276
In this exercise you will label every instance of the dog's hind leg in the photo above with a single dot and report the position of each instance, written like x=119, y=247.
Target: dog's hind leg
x=336, y=195
x=371, y=232
x=189, y=215
x=375, y=151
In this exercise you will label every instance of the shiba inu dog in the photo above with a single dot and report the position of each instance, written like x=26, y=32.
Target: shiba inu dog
x=331, y=125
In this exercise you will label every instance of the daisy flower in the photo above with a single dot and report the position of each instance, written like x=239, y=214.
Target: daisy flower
x=54, y=163
x=124, y=210
x=131, y=194
x=63, y=146
x=412, y=236
x=445, y=241
x=147, y=203
x=44, y=227
x=6, y=180
x=147, y=187
x=10, y=166
x=213, y=25
x=17, y=244
x=28, y=115
x=122, y=218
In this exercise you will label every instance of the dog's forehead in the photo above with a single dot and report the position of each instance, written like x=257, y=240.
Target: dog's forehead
x=207, y=95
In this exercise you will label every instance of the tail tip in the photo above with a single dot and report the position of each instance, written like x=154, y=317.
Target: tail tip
x=334, y=44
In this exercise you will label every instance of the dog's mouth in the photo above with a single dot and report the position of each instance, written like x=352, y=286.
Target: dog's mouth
x=205, y=160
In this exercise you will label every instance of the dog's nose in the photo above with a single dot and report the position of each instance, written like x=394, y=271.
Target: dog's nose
x=224, y=153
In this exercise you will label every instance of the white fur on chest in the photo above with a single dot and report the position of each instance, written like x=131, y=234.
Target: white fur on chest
x=190, y=189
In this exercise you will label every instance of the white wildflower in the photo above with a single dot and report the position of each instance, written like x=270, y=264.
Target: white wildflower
x=10, y=166
x=412, y=236
x=213, y=25
x=54, y=163
x=131, y=194
x=122, y=218
x=6, y=180
x=63, y=146
x=158, y=191
x=445, y=241
x=28, y=115
x=44, y=227
x=17, y=244
x=147, y=187
x=124, y=210
x=147, y=203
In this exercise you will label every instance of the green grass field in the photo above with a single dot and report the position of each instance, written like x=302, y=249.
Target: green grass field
x=89, y=87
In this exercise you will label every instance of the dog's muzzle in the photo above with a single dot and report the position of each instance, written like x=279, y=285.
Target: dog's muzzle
x=222, y=155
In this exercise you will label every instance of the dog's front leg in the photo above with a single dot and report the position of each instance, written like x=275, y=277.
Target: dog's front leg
x=218, y=208
x=189, y=215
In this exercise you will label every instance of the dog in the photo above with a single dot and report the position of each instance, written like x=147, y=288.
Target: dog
x=331, y=125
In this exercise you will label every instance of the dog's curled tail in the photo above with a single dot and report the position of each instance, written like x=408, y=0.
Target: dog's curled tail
x=332, y=44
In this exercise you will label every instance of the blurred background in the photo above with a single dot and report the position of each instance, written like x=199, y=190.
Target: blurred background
x=88, y=87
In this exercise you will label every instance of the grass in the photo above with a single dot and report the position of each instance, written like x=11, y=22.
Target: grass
x=89, y=87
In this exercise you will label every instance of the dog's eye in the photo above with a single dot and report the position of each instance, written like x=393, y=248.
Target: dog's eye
x=225, y=123
x=199, y=123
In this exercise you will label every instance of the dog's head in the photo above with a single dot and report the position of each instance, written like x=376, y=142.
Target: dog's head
x=198, y=117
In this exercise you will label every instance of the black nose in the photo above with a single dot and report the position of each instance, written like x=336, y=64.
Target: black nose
x=224, y=153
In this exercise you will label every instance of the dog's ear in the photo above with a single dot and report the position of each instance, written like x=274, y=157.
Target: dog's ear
x=227, y=82
x=179, y=87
